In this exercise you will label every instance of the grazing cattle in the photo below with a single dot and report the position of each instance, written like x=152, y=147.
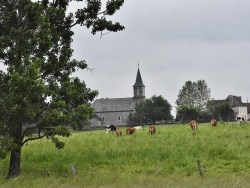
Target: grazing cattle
x=138, y=127
x=151, y=129
x=193, y=125
x=213, y=122
x=130, y=131
x=118, y=132
x=110, y=128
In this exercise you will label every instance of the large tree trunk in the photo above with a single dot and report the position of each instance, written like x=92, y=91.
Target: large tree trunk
x=15, y=161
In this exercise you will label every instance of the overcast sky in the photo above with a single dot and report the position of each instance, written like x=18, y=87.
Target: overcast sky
x=174, y=41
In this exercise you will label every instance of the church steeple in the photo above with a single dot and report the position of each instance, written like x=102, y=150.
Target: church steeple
x=139, y=87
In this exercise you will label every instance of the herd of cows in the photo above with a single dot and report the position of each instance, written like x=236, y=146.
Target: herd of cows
x=129, y=130
x=194, y=124
x=152, y=129
x=213, y=122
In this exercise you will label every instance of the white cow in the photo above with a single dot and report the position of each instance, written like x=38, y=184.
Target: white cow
x=240, y=119
x=138, y=127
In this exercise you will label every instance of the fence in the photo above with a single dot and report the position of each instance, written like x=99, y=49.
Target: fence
x=202, y=171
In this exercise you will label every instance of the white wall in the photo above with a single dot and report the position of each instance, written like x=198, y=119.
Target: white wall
x=241, y=111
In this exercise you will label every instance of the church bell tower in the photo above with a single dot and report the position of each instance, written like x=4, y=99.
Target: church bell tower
x=139, y=87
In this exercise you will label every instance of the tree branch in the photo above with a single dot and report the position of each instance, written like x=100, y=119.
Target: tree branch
x=103, y=12
x=44, y=75
x=30, y=139
x=28, y=128
x=104, y=34
x=89, y=69
x=77, y=22
x=63, y=68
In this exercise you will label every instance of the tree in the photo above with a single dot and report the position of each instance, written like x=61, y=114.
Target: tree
x=151, y=110
x=222, y=111
x=187, y=113
x=38, y=94
x=193, y=95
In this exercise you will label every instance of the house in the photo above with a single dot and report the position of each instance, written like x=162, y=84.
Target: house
x=248, y=110
x=240, y=109
x=116, y=110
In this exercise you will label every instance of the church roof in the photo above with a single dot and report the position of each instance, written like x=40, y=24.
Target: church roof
x=114, y=104
x=138, y=81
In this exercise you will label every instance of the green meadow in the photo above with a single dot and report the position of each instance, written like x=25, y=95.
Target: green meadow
x=165, y=159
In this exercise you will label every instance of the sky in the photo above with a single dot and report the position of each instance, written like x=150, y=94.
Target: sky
x=173, y=41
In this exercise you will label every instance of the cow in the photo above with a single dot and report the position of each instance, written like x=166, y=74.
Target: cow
x=110, y=128
x=130, y=131
x=213, y=122
x=138, y=127
x=240, y=119
x=151, y=129
x=118, y=132
x=193, y=125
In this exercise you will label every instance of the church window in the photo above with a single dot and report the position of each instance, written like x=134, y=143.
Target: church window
x=103, y=119
x=119, y=118
x=138, y=91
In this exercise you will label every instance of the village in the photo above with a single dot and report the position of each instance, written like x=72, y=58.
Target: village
x=116, y=110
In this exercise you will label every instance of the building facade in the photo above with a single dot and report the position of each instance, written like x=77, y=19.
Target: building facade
x=116, y=110
x=240, y=109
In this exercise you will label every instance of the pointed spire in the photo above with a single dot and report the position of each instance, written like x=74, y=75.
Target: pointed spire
x=138, y=82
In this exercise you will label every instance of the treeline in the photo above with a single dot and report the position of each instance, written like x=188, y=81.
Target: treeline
x=191, y=103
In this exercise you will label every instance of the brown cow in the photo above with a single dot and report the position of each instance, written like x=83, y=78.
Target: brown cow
x=213, y=122
x=130, y=131
x=151, y=129
x=193, y=125
x=118, y=132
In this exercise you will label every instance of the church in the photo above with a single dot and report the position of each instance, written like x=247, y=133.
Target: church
x=116, y=111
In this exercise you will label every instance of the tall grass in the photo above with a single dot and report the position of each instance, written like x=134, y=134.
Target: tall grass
x=141, y=160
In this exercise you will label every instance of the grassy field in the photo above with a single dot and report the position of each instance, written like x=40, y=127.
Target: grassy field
x=166, y=159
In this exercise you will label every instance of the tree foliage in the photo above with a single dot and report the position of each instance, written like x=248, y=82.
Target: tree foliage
x=151, y=110
x=37, y=92
x=193, y=95
x=186, y=113
x=222, y=111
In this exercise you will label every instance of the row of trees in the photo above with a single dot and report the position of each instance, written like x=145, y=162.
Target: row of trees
x=222, y=112
x=191, y=104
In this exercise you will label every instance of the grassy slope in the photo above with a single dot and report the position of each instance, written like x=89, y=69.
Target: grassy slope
x=166, y=159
